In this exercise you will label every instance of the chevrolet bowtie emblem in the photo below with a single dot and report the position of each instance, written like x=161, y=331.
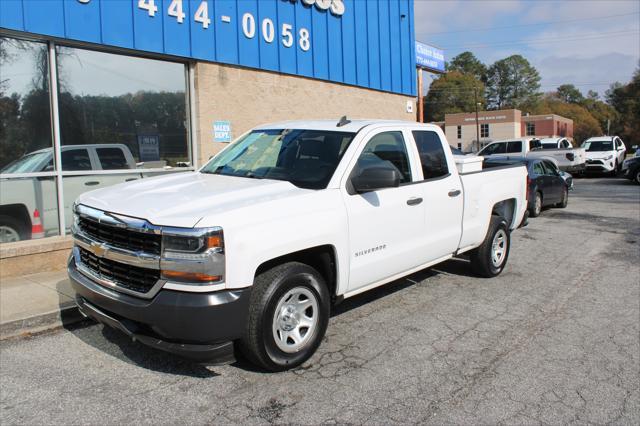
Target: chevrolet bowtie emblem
x=98, y=249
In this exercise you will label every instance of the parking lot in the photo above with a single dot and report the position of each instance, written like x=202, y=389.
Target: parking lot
x=554, y=339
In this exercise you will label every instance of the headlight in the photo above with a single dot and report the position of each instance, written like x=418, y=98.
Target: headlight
x=193, y=256
x=609, y=157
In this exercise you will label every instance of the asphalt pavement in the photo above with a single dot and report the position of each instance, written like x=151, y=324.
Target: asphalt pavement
x=554, y=339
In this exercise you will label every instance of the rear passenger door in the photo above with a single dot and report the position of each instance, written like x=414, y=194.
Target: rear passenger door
x=441, y=191
x=555, y=180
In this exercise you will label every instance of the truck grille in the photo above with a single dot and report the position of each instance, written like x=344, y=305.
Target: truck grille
x=121, y=238
x=129, y=277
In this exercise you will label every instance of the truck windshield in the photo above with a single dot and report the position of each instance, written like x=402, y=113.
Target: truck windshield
x=595, y=146
x=306, y=158
x=30, y=163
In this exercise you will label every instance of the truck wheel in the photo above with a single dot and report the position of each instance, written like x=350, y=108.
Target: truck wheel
x=637, y=179
x=564, y=200
x=490, y=258
x=537, y=206
x=11, y=230
x=288, y=316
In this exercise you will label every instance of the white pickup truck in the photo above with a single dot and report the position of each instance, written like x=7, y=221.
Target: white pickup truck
x=251, y=250
x=568, y=159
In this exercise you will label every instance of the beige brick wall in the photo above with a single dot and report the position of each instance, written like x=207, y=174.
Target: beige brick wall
x=497, y=131
x=248, y=97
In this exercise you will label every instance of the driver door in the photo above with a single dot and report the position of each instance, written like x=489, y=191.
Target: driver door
x=385, y=226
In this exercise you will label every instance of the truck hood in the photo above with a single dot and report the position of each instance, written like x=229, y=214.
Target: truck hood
x=183, y=199
x=599, y=155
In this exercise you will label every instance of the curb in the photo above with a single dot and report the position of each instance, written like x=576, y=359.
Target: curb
x=39, y=323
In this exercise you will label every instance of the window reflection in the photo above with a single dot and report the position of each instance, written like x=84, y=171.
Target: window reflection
x=24, y=103
x=136, y=105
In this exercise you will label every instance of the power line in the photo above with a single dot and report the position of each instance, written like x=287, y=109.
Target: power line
x=534, y=24
x=547, y=40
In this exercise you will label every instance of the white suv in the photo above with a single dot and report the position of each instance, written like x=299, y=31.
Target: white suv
x=605, y=154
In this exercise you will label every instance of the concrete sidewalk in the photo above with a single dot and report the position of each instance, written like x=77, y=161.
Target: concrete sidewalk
x=36, y=302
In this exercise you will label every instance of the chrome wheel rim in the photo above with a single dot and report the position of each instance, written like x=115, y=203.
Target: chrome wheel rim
x=295, y=319
x=499, y=248
x=8, y=234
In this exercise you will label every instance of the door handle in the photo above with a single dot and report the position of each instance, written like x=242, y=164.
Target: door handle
x=414, y=201
x=454, y=192
x=92, y=183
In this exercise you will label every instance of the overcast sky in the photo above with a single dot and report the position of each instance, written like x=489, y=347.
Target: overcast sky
x=588, y=43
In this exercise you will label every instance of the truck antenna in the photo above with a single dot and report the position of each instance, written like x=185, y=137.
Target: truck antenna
x=343, y=121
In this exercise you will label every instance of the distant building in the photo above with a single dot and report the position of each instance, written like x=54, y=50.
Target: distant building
x=461, y=130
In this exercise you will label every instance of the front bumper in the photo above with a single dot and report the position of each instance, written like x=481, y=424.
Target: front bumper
x=198, y=326
x=601, y=165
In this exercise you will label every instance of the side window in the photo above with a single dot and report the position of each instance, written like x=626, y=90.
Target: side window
x=551, y=168
x=75, y=159
x=534, y=144
x=112, y=158
x=495, y=148
x=432, y=157
x=515, y=146
x=538, y=169
x=387, y=148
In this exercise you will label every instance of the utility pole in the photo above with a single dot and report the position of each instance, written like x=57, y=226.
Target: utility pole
x=475, y=97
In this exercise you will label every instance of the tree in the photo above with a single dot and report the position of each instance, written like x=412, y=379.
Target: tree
x=512, y=82
x=584, y=124
x=467, y=63
x=453, y=92
x=625, y=98
x=569, y=93
x=593, y=95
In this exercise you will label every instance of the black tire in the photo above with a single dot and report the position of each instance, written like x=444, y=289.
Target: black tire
x=637, y=178
x=537, y=205
x=482, y=262
x=258, y=343
x=565, y=199
x=614, y=172
x=15, y=226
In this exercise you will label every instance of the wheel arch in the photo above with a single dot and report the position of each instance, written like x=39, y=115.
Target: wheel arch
x=18, y=212
x=506, y=209
x=321, y=258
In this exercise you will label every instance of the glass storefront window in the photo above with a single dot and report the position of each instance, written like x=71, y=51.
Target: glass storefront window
x=133, y=108
x=25, y=115
x=28, y=208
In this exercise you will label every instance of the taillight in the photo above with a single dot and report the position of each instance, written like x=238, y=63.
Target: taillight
x=526, y=188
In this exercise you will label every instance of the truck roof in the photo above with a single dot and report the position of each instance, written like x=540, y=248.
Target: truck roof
x=332, y=125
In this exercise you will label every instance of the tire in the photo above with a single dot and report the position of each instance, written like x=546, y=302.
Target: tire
x=614, y=172
x=537, y=205
x=497, y=242
x=637, y=179
x=12, y=229
x=565, y=199
x=274, y=323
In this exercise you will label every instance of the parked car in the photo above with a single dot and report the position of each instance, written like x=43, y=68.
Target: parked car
x=555, y=143
x=605, y=154
x=546, y=185
x=251, y=250
x=568, y=159
x=28, y=205
x=631, y=168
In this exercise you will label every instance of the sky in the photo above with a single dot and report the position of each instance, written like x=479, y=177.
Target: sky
x=590, y=44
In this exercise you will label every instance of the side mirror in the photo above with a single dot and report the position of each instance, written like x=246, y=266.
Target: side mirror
x=376, y=178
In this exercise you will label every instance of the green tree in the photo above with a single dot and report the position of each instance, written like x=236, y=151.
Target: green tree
x=625, y=98
x=453, y=92
x=569, y=93
x=512, y=82
x=467, y=63
x=584, y=124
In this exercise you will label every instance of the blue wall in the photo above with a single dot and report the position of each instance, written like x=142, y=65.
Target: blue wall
x=370, y=45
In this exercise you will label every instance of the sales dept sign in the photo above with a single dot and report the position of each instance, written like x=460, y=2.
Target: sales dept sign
x=222, y=131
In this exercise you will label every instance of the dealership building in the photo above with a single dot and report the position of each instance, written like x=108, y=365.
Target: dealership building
x=463, y=129
x=98, y=92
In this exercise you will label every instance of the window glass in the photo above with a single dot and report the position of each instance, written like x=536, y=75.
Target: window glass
x=495, y=148
x=484, y=130
x=75, y=159
x=530, y=128
x=25, y=115
x=137, y=103
x=28, y=208
x=112, y=158
x=535, y=144
x=551, y=168
x=515, y=146
x=306, y=158
x=538, y=169
x=386, y=148
x=459, y=132
x=432, y=157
